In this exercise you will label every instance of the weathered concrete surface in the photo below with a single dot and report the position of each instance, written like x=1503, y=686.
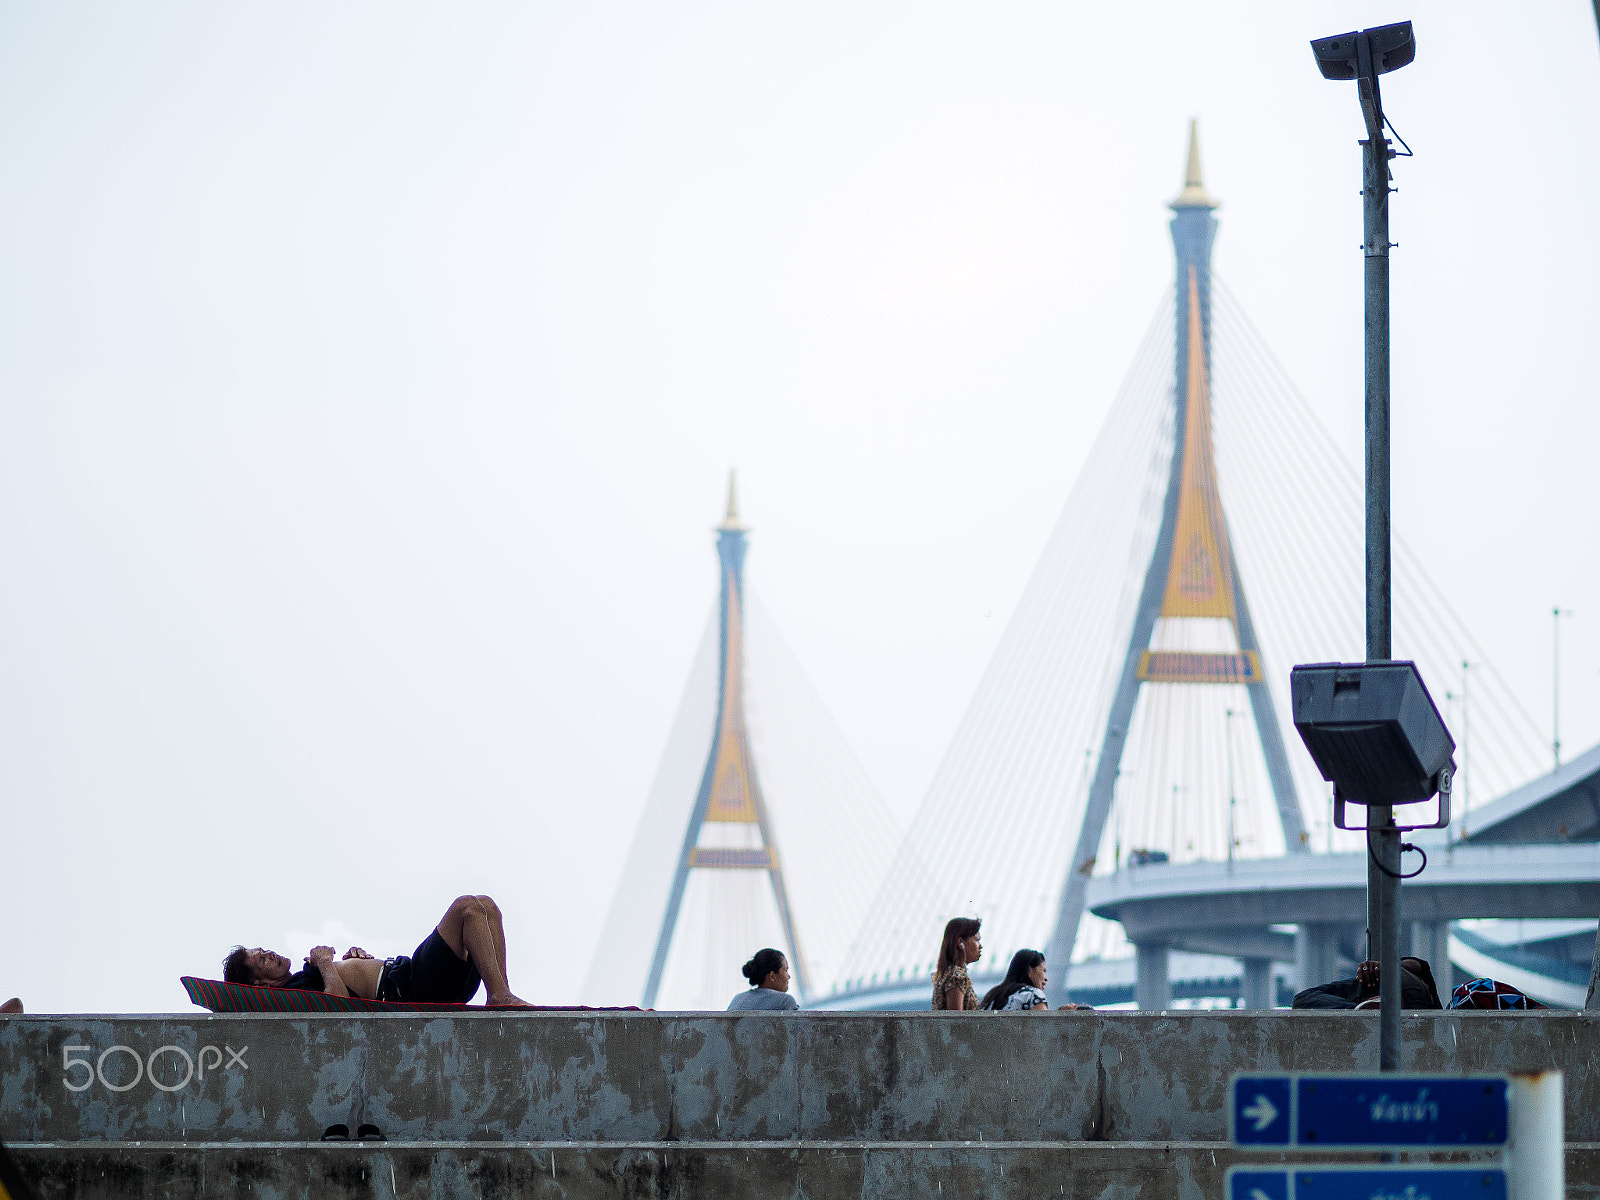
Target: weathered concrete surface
x=662, y=1077
x=669, y=1105
x=434, y=1171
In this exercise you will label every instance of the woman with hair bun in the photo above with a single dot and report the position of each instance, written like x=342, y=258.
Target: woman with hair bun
x=768, y=973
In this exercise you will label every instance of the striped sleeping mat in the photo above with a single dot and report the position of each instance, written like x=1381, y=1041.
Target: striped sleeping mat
x=243, y=997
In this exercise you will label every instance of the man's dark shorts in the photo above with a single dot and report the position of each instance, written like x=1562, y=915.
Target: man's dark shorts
x=432, y=975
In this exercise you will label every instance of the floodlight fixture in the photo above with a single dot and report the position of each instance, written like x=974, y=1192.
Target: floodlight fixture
x=1363, y=56
x=1375, y=734
x=1381, y=49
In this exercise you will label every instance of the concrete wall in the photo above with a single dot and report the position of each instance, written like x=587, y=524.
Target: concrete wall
x=661, y=1096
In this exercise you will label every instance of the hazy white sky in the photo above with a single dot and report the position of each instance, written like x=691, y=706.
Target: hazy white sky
x=370, y=373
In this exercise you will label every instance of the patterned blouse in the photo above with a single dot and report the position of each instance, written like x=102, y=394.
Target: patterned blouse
x=1024, y=999
x=954, y=976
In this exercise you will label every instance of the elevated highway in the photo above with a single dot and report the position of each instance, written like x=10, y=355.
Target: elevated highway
x=1261, y=929
x=1534, y=853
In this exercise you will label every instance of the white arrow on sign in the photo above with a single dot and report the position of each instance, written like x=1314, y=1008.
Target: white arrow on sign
x=1261, y=1112
x=1258, y=1194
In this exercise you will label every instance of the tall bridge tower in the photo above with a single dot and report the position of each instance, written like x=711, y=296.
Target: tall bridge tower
x=728, y=828
x=1134, y=709
x=1192, y=626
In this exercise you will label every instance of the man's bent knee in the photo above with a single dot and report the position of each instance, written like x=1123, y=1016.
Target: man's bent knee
x=465, y=905
x=489, y=906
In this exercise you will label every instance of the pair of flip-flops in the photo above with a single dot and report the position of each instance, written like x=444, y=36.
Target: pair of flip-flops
x=364, y=1133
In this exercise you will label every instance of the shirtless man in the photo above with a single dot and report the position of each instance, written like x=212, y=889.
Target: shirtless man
x=467, y=947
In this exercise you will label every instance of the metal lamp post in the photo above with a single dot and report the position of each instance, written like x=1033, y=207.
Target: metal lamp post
x=1363, y=57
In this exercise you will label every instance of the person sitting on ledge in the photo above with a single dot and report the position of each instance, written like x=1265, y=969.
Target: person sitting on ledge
x=1022, y=990
x=466, y=948
x=1417, y=989
x=768, y=973
x=952, y=986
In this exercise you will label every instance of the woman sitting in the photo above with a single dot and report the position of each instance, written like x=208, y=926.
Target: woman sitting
x=768, y=973
x=1022, y=990
x=952, y=987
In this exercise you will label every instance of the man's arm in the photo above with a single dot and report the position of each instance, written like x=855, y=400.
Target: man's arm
x=332, y=982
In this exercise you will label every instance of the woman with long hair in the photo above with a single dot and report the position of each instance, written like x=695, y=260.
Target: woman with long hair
x=1022, y=990
x=952, y=987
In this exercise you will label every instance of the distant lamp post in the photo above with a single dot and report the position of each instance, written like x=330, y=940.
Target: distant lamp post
x=1463, y=776
x=1555, y=676
x=1449, y=701
x=1231, y=714
x=1466, y=756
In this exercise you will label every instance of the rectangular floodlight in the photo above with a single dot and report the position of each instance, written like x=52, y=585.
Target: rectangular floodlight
x=1379, y=50
x=1373, y=730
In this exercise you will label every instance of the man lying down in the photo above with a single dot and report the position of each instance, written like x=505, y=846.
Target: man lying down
x=466, y=948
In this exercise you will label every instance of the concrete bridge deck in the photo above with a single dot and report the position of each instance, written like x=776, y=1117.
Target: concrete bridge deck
x=1232, y=908
x=614, y=1105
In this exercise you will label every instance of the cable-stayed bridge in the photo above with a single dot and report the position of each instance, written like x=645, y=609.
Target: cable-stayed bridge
x=1134, y=711
x=1127, y=768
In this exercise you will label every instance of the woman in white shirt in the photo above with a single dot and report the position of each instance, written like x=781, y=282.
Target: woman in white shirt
x=1022, y=990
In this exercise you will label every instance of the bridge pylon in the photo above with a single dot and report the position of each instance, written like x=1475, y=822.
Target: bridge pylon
x=728, y=828
x=1192, y=591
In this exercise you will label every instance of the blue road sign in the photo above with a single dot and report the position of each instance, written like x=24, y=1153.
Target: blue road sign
x=1368, y=1183
x=1374, y=1111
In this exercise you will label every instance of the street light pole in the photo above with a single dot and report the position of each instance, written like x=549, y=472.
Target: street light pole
x=1363, y=57
x=1383, y=839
